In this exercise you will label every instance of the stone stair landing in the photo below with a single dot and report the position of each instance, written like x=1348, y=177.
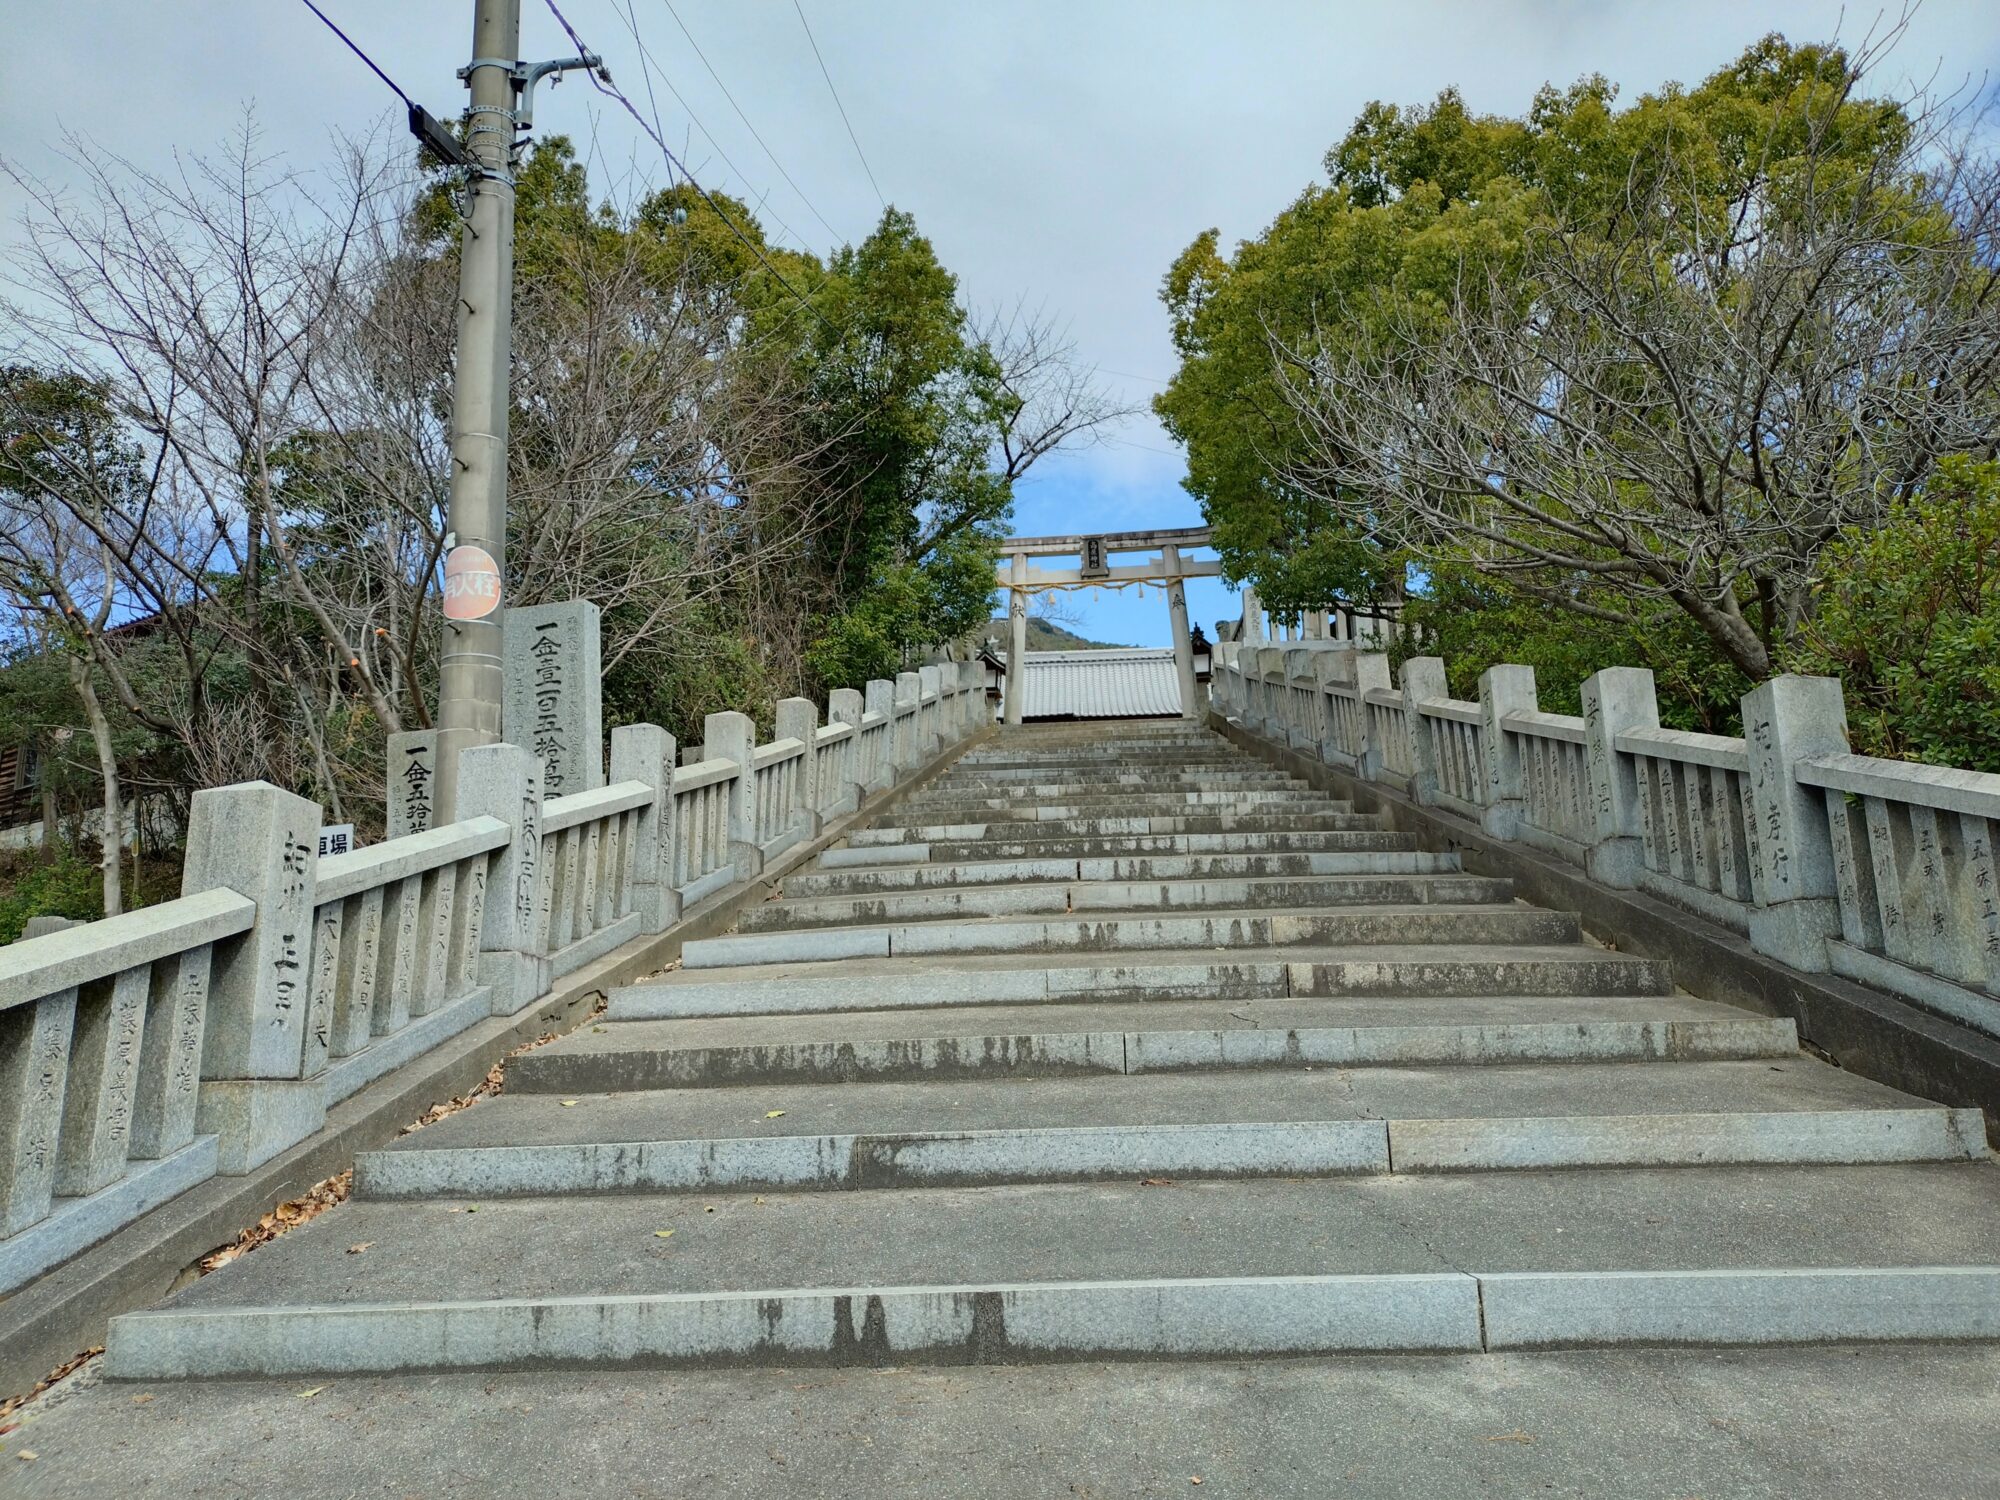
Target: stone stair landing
x=1108, y=1042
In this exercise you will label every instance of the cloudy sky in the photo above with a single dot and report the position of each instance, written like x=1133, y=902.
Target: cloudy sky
x=1058, y=152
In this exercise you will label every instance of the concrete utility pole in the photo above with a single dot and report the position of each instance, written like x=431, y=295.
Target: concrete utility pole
x=469, y=679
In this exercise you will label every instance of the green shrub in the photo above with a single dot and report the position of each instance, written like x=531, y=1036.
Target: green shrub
x=1907, y=614
x=71, y=884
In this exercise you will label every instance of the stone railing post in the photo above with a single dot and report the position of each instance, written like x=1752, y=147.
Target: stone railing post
x=971, y=696
x=909, y=749
x=1615, y=700
x=265, y=1041
x=843, y=706
x=645, y=752
x=1423, y=682
x=1330, y=669
x=1371, y=671
x=505, y=782
x=1269, y=710
x=1504, y=689
x=798, y=719
x=1299, y=675
x=1791, y=863
x=1229, y=672
x=733, y=736
x=930, y=716
x=881, y=699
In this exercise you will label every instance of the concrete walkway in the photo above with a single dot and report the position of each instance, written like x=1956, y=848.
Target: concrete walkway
x=1113, y=1044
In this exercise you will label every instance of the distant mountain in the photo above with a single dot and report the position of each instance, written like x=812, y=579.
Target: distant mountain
x=1045, y=636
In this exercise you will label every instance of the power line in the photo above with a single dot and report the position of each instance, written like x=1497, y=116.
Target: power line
x=758, y=135
x=600, y=77
x=838, y=105
x=648, y=68
x=351, y=47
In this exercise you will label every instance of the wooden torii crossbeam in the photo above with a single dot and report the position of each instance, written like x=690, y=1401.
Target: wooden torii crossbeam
x=1095, y=567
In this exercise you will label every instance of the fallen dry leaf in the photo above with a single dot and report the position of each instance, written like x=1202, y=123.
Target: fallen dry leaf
x=142, y=1398
x=663, y=1234
x=708, y=1208
x=362, y=1248
x=286, y=1217
x=61, y=1372
x=1157, y=1182
x=569, y=1104
x=308, y=1395
x=27, y=1455
x=772, y=1114
x=324, y=1195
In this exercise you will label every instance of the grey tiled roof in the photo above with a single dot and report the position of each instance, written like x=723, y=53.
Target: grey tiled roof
x=1124, y=684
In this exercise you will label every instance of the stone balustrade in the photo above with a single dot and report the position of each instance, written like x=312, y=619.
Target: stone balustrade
x=1881, y=871
x=144, y=1054
x=395, y=948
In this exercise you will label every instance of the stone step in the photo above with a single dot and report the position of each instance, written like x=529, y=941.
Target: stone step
x=1062, y=1040
x=954, y=902
x=1185, y=771
x=1220, y=931
x=1328, y=1122
x=1725, y=1256
x=1248, y=974
x=1096, y=809
x=1110, y=757
x=1298, y=1124
x=1029, y=782
x=1022, y=778
x=1169, y=867
x=1199, y=757
x=1052, y=845
x=1156, y=796
x=988, y=827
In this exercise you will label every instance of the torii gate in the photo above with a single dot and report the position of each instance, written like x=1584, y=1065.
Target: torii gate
x=1094, y=554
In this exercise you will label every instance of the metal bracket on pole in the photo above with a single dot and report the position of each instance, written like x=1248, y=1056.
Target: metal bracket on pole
x=527, y=75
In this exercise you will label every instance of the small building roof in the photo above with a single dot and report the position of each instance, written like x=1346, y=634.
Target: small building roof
x=1121, y=684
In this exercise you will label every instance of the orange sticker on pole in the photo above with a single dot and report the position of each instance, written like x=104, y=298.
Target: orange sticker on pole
x=471, y=584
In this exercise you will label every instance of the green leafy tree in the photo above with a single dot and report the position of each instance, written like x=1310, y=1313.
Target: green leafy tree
x=1633, y=366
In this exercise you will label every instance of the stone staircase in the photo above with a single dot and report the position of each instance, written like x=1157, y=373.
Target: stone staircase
x=1111, y=1041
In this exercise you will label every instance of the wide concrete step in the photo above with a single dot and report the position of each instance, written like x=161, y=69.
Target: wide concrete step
x=1141, y=932
x=1247, y=974
x=1022, y=778
x=955, y=902
x=914, y=877
x=1083, y=822
x=936, y=1133
x=1041, y=788
x=1222, y=833
x=1153, y=796
x=1158, y=1036
x=1054, y=845
x=1495, y=1261
x=1193, y=757
x=1078, y=803
x=1121, y=805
